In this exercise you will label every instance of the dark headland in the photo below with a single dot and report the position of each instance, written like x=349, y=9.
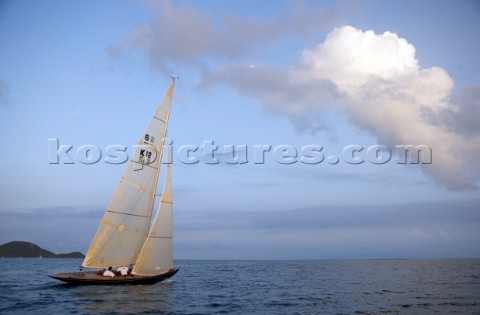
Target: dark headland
x=20, y=249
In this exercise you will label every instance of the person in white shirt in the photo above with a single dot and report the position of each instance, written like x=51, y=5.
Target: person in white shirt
x=108, y=273
x=123, y=270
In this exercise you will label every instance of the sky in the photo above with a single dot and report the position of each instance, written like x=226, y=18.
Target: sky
x=317, y=100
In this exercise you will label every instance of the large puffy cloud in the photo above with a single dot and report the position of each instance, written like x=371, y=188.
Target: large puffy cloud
x=376, y=80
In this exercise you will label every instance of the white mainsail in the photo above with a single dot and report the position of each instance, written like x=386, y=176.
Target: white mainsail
x=124, y=227
x=157, y=253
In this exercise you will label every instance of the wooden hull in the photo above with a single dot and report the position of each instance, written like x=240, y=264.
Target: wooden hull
x=92, y=278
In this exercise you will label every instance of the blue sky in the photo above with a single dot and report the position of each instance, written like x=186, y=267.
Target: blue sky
x=329, y=74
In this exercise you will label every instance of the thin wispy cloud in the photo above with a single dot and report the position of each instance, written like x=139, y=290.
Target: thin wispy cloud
x=431, y=222
x=439, y=226
x=180, y=34
x=76, y=113
x=401, y=216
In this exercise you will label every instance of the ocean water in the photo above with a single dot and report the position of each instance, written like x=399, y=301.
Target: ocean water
x=253, y=287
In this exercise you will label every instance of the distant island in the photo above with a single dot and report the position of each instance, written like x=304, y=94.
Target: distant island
x=19, y=249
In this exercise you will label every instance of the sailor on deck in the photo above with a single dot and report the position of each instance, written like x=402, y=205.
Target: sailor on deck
x=123, y=270
x=108, y=273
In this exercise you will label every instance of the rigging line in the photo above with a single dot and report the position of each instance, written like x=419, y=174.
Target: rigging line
x=144, y=164
x=138, y=187
x=159, y=119
x=125, y=213
x=154, y=236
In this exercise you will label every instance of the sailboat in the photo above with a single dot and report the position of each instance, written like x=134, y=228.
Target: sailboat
x=124, y=236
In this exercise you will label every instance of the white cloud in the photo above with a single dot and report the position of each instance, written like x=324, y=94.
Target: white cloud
x=76, y=113
x=444, y=235
x=376, y=79
x=350, y=57
x=417, y=233
x=179, y=34
x=420, y=234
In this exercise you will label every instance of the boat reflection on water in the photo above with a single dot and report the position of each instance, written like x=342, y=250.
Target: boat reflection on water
x=131, y=299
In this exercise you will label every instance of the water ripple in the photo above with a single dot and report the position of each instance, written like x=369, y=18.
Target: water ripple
x=254, y=287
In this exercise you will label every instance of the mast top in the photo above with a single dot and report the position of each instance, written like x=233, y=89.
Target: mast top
x=173, y=77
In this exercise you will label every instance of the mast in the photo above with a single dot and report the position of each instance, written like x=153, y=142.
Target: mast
x=156, y=255
x=167, y=116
